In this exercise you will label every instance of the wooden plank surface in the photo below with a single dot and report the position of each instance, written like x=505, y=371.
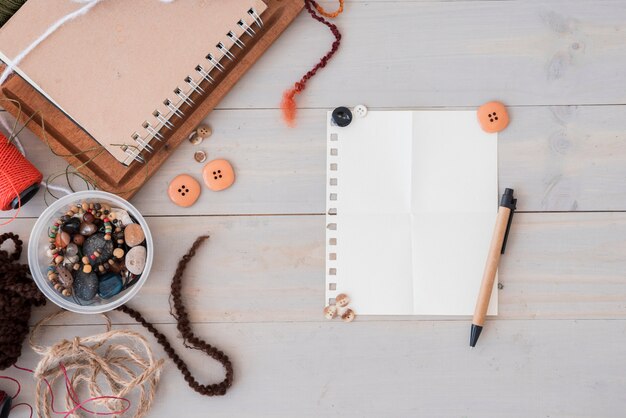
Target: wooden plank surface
x=557, y=369
x=456, y=53
x=256, y=290
x=271, y=268
x=558, y=158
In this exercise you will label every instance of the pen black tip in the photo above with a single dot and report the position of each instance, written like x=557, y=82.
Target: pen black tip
x=474, y=334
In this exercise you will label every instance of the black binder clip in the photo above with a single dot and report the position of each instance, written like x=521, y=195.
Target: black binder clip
x=508, y=201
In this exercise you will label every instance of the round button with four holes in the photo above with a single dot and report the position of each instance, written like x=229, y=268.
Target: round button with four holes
x=184, y=190
x=218, y=175
x=493, y=117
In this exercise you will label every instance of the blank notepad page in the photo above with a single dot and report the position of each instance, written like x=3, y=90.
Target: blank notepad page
x=412, y=200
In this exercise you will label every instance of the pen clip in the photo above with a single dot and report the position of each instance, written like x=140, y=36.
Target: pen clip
x=513, y=206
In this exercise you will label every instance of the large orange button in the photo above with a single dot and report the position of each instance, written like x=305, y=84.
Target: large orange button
x=493, y=117
x=218, y=175
x=184, y=190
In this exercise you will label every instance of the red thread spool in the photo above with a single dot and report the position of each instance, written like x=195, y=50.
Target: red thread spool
x=19, y=179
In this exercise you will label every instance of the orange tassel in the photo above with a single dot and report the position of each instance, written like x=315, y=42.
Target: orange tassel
x=288, y=106
x=288, y=103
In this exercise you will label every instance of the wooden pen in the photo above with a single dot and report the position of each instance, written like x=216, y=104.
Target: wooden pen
x=498, y=243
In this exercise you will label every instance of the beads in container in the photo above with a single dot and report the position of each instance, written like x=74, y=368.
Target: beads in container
x=95, y=252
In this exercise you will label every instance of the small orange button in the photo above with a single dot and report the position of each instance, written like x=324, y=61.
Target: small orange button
x=218, y=175
x=184, y=190
x=493, y=117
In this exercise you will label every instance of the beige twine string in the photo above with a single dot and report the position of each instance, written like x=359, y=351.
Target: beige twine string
x=120, y=358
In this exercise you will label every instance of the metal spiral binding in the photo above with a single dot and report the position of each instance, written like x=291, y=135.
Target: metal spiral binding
x=202, y=70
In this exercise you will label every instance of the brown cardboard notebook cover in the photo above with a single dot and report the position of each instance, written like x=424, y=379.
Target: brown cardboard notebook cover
x=103, y=75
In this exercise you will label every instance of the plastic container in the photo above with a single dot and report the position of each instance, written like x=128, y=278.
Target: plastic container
x=39, y=261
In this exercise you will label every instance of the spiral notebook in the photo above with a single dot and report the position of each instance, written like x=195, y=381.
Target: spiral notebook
x=412, y=198
x=127, y=71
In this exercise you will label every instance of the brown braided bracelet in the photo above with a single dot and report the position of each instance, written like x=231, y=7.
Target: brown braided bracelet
x=18, y=293
x=189, y=338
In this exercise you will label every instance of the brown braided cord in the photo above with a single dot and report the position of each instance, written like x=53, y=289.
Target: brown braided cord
x=18, y=293
x=189, y=338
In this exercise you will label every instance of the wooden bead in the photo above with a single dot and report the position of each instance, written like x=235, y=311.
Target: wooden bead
x=67, y=292
x=76, y=266
x=87, y=268
x=101, y=268
x=75, y=209
x=58, y=259
x=118, y=253
x=85, y=259
x=85, y=206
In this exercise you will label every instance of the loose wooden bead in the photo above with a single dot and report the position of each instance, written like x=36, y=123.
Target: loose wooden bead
x=85, y=206
x=101, y=268
x=58, y=259
x=107, y=237
x=67, y=292
x=87, y=268
x=118, y=253
x=75, y=209
x=85, y=260
x=76, y=266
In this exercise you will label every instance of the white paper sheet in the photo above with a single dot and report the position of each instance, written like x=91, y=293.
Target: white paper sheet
x=412, y=200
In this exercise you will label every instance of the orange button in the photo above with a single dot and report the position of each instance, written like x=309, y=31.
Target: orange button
x=218, y=175
x=184, y=190
x=493, y=117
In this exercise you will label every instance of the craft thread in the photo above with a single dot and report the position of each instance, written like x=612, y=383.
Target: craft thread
x=18, y=175
x=121, y=358
x=288, y=104
x=184, y=327
x=18, y=293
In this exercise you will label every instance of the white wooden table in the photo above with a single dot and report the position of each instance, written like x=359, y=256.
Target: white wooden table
x=558, y=347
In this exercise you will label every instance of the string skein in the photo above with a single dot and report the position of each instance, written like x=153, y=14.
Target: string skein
x=122, y=359
x=18, y=293
x=19, y=179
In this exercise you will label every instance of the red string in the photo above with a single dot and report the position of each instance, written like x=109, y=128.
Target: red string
x=288, y=104
x=19, y=387
x=17, y=175
x=22, y=404
x=73, y=396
